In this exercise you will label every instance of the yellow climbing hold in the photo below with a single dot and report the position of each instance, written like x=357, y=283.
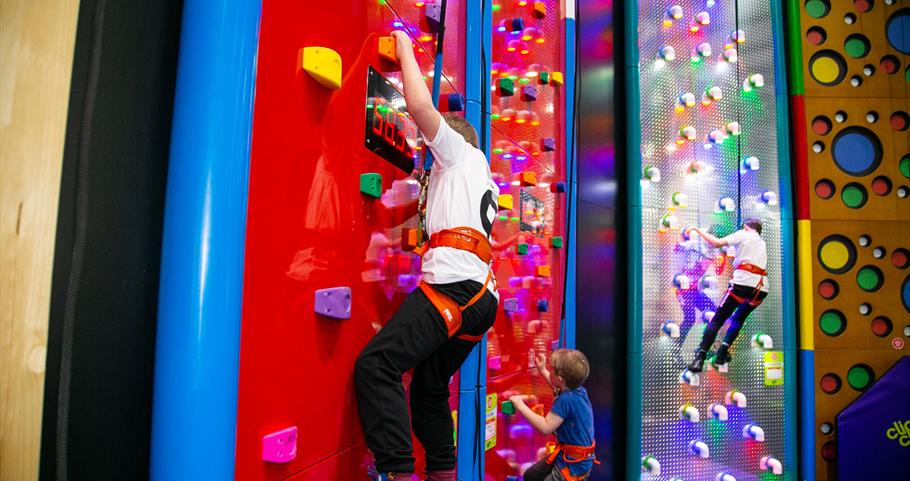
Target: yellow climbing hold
x=323, y=64
x=834, y=255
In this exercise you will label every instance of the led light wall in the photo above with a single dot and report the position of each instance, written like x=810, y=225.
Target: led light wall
x=712, y=153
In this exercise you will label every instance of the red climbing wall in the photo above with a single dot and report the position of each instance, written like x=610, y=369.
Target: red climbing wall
x=528, y=137
x=309, y=227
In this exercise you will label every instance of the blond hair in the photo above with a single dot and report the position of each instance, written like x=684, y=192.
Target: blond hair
x=571, y=365
x=463, y=127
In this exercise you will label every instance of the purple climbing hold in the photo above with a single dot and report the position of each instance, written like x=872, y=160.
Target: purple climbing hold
x=334, y=302
x=543, y=305
x=548, y=144
x=528, y=92
x=433, y=14
x=455, y=102
x=510, y=305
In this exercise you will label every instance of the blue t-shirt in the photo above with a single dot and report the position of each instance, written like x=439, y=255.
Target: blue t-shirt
x=577, y=427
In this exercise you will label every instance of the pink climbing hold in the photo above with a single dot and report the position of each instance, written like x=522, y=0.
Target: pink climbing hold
x=280, y=446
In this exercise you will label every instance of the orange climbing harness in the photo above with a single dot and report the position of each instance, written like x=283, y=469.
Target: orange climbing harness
x=571, y=454
x=466, y=239
x=754, y=269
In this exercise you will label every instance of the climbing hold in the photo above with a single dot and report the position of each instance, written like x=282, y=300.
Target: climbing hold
x=768, y=463
x=505, y=87
x=769, y=197
x=671, y=329
x=280, y=446
x=323, y=64
x=725, y=204
x=543, y=305
x=724, y=477
x=548, y=144
x=387, y=49
x=334, y=302
x=433, y=15
x=699, y=448
x=528, y=92
x=690, y=412
x=494, y=363
x=754, y=432
x=735, y=397
x=652, y=173
x=371, y=184
x=682, y=282
x=556, y=242
x=505, y=202
x=543, y=271
x=651, y=465
x=455, y=102
x=510, y=304
x=762, y=340
x=408, y=239
x=522, y=248
x=680, y=199
x=558, y=187
x=540, y=10
x=517, y=24
x=719, y=412
x=690, y=378
x=508, y=408
x=556, y=79
x=751, y=163
x=669, y=221
x=528, y=178
x=543, y=78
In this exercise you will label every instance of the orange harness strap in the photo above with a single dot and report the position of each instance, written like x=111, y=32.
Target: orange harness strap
x=466, y=239
x=745, y=266
x=754, y=269
x=577, y=455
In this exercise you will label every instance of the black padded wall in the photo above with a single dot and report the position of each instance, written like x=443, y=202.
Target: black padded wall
x=98, y=393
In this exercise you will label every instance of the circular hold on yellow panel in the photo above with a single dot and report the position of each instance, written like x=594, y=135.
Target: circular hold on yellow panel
x=837, y=254
x=825, y=70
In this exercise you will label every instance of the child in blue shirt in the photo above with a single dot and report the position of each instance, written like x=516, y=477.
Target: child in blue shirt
x=571, y=418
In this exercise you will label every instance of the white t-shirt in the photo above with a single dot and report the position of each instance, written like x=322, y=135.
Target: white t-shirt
x=461, y=194
x=751, y=249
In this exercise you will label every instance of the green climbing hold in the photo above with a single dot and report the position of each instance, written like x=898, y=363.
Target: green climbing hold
x=371, y=184
x=905, y=166
x=859, y=377
x=817, y=8
x=556, y=242
x=522, y=249
x=508, y=407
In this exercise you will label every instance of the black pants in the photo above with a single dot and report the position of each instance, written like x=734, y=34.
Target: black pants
x=541, y=471
x=416, y=337
x=732, y=308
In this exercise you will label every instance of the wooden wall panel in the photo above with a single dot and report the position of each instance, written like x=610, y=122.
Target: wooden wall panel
x=36, y=55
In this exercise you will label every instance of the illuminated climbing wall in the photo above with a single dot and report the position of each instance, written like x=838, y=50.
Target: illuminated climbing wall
x=850, y=87
x=312, y=225
x=528, y=161
x=709, y=157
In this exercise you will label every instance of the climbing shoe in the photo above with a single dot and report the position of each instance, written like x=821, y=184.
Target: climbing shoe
x=698, y=363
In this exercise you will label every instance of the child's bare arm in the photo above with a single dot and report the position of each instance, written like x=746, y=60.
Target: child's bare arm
x=542, y=368
x=416, y=94
x=543, y=425
x=713, y=240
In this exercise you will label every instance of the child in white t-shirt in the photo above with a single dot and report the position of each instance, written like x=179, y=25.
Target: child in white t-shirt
x=748, y=288
x=457, y=281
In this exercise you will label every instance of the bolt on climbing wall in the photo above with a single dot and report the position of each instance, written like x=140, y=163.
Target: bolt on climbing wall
x=324, y=267
x=709, y=158
x=528, y=160
x=851, y=97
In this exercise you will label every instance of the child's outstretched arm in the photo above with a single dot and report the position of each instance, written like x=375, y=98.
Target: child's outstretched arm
x=713, y=240
x=542, y=368
x=416, y=94
x=543, y=425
